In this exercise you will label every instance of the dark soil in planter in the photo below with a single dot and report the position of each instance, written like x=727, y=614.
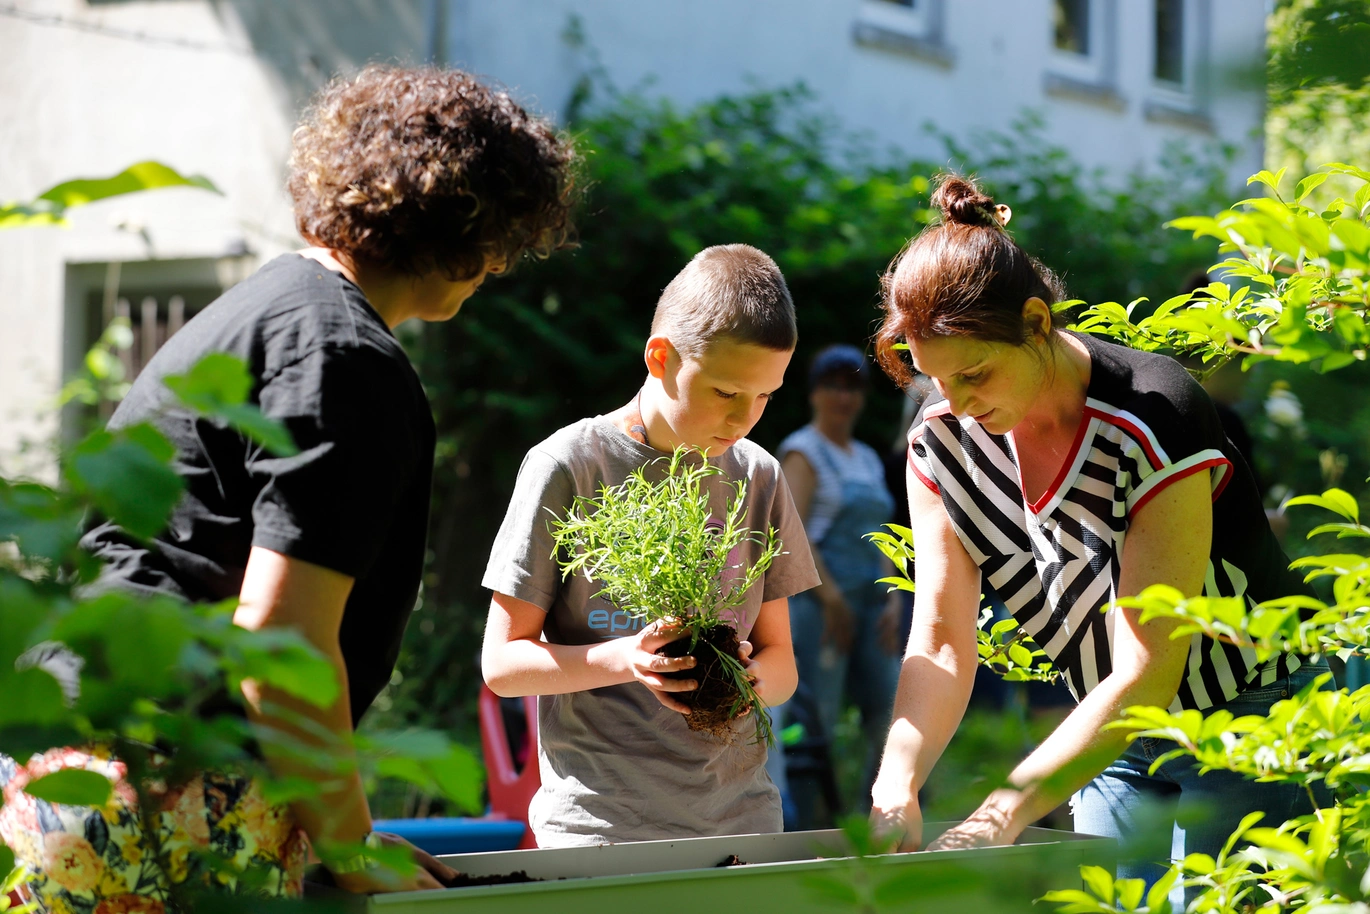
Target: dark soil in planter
x=461, y=880
x=730, y=860
x=711, y=705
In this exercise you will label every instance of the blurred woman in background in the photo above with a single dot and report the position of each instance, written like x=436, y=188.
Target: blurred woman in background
x=846, y=630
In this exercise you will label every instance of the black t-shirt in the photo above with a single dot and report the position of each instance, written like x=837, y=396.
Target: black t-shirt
x=355, y=498
x=1056, y=562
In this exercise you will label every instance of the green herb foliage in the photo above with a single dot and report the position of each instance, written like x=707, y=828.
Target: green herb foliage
x=659, y=554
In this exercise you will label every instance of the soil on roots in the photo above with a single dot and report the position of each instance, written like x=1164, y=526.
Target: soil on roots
x=711, y=705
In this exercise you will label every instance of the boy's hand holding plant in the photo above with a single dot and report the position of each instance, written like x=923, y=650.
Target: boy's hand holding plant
x=640, y=656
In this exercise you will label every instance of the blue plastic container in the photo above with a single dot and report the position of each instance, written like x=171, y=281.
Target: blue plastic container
x=456, y=836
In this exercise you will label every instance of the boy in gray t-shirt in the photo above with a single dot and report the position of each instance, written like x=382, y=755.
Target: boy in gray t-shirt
x=617, y=760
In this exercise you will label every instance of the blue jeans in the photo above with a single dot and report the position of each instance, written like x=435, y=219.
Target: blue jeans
x=1177, y=811
x=866, y=677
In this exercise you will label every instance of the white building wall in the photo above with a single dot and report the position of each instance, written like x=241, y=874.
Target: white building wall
x=208, y=88
x=214, y=86
x=996, y=58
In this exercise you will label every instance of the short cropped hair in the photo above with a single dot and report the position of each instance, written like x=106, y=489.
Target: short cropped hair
x=731, y=291
x=424, y=169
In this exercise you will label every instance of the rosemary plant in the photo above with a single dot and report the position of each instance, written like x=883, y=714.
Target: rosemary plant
x=659, y=554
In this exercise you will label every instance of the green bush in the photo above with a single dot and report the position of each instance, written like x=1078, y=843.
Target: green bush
x=1297, y=294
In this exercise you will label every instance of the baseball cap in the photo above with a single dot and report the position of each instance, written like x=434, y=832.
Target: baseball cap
x=839, y=360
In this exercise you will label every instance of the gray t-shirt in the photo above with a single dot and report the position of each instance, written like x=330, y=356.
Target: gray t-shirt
x=616, y=765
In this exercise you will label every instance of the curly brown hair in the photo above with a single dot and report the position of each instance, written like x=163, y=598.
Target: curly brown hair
x=423, y=169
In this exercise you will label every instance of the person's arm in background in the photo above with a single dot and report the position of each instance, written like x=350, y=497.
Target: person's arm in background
x=837, y=615
x=279, y=591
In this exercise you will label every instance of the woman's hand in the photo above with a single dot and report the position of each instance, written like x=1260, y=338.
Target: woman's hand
x=991, y=825
x=430, y=874
x=895, y=812
x=638, y=653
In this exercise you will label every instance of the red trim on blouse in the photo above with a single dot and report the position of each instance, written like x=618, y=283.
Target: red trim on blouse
x=932, y=486
x=1222, y=483
x=1187, y=471
x=1132, y=429
x=1063, y=473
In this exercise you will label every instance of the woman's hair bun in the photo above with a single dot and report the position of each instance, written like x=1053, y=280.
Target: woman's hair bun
x=961, y=201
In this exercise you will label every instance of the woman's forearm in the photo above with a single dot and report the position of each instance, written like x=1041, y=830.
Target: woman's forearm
x=934, y=689
x=1080, y=748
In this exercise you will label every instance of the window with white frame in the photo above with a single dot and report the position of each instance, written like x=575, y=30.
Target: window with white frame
x=911, y=27
x=1168, y=59
x=1071, y=26
x=153, y=297
x=1083, y=58
x=1178, y=91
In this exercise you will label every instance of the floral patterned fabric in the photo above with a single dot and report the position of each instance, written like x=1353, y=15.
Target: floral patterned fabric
x=216, y=830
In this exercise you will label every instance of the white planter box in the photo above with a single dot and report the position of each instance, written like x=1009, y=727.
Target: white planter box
x=662, y=877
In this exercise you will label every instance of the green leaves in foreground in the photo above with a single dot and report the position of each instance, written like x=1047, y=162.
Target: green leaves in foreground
x=897, y=546
x=12, y=881
x=1314, y=736
x=73, y=787
x=1293, y=286
x=426, y=759
x=50, y=207
x=127, y=475
x=1002, y=646
x=1106, y=895
x=219, y=385
x=1298, y=623
x=132, y=671
x=1007, y=650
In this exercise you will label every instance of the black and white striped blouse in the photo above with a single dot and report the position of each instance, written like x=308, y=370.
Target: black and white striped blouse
x=1055, y=562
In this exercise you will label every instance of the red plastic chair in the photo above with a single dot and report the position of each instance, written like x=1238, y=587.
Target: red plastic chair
x=511, y=790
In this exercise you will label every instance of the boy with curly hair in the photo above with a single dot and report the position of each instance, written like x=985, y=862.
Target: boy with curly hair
x=618, y=762
x=411, y=185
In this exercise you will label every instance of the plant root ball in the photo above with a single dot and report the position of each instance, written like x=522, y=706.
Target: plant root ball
x=715, y=704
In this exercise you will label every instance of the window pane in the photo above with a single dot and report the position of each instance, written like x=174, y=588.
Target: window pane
x=1170, y=40
x=1072, y=25
x=908, y=3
